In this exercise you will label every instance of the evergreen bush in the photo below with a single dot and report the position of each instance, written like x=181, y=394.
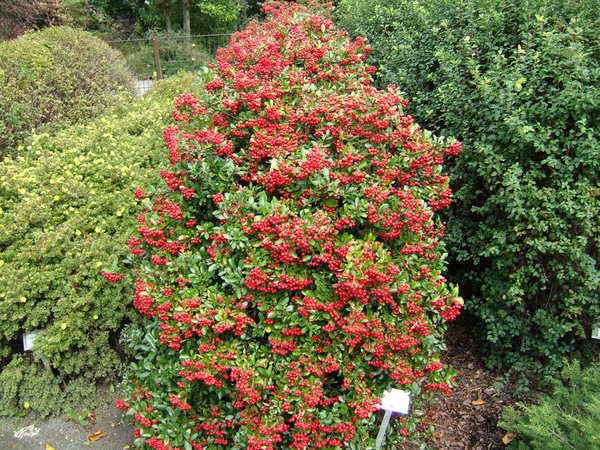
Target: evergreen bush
x=565, y=419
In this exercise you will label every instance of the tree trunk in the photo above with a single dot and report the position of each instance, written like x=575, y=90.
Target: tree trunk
x=168, y=22
x=185, y=4
x=243, y=16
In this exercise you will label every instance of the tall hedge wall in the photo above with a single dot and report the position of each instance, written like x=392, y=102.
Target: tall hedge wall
x=518, y=84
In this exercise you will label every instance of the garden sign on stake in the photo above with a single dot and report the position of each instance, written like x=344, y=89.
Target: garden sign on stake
x=28, y=338
x=396, y=401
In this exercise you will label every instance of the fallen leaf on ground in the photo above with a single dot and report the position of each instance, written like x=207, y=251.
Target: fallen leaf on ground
x=49, y=447
x=508, y=437
x=478, y=402
x=96, y=436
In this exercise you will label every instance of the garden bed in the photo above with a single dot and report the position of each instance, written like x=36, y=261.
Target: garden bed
x=468, y=417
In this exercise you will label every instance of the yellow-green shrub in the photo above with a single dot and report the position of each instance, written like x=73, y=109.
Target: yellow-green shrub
x=55, y=77
x=66, y=207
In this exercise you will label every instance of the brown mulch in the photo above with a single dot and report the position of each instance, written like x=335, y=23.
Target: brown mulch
x=468, y=417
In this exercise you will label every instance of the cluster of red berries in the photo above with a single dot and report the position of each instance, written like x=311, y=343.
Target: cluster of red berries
x=112, y=277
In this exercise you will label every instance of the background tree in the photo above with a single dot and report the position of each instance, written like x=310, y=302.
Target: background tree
x=201, y=17
x=165, y=8
x=18, y=16
x=185, y=10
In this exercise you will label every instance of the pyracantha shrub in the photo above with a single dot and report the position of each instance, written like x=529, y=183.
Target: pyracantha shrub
x=290, y=271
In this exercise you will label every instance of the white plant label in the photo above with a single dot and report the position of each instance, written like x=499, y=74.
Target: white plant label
x=596, y=332
x=28, y=339
x=396, y=400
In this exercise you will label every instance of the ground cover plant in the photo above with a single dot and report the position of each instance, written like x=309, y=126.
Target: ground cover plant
x=52, y=78
x=63, y=206
x=518, y=85
x=566, y=418
x=289, y=267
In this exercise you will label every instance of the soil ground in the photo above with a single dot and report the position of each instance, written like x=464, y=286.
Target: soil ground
x=468, y=417
x=60, y=434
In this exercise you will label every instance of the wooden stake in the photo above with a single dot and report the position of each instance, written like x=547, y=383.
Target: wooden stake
x=157, y=59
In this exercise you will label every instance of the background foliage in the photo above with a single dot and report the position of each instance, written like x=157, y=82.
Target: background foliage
x=122, y=19
x=206, y=16
x=65, y=205
x=177, y=53
x=52, y=78
x=518, y=84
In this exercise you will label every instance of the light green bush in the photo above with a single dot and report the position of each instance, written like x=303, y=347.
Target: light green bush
x=565, y=419
x=52, y=78
x=26, y=388
x=66, y=207
x=519, y=84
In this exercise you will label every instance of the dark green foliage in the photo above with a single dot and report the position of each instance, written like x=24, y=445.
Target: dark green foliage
x=566, y=419
x=206, y=16
x=52, y=78
x=518, y=84
x=66, y=206
x=129, y=11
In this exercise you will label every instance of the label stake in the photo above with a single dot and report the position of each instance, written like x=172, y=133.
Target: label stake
x=383, y=428
x=396, y=401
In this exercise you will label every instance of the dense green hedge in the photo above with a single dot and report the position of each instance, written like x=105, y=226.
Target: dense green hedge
x=519, y=85
x=66, y=208
x=55, y=77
